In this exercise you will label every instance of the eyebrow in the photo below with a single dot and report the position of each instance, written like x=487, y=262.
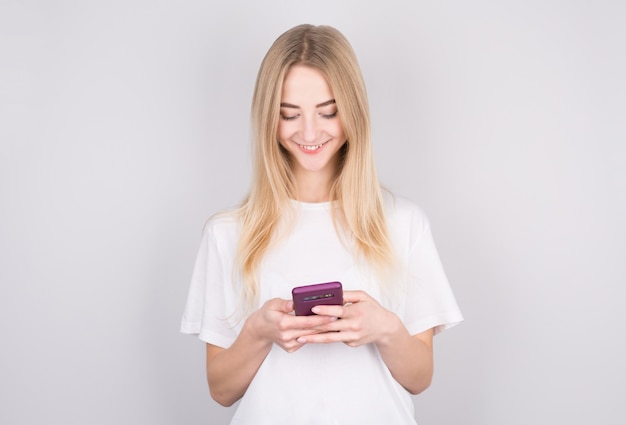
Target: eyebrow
x=290, y=105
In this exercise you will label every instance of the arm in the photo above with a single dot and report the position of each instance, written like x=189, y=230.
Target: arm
x=230, y=370
x=409, y=358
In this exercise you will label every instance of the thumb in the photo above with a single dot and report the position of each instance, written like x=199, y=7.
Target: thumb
x=288, y=306
x=284, y=306
x=354, y=296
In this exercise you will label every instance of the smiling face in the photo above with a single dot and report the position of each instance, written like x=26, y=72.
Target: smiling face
x=309, y=128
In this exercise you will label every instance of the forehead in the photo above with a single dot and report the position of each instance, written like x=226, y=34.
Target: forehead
x=305, y=86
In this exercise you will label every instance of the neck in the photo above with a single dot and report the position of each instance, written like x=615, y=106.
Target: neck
x=313, y=187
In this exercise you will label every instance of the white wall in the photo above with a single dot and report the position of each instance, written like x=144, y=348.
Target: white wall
x=124, y=125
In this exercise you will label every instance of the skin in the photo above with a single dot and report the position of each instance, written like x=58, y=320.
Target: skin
x=309, y=119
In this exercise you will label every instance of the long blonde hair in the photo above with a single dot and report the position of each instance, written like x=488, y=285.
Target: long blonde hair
x=356, y=188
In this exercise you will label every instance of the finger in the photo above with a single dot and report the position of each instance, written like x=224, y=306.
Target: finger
x=279, y=304
x=324, y=338
x=344, y=325
x=354, y=296
x=296, y=339
x=312, y=322
x=328, y=310
x=287, y=306
x=288, y=323
x=291, y=346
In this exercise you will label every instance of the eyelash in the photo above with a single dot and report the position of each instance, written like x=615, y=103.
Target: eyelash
x=291, y=118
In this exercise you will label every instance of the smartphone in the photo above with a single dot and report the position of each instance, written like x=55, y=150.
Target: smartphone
x=308, y=296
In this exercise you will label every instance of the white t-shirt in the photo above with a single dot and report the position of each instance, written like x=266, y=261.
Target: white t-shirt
x=326, y=383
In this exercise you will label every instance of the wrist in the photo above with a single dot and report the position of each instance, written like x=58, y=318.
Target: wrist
x=252, y=333
x=393, y=329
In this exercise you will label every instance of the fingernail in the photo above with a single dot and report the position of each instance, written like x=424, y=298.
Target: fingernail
x=315, y=309
x=301, y=340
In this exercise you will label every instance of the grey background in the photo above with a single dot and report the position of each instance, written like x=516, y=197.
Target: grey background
x=124, y=125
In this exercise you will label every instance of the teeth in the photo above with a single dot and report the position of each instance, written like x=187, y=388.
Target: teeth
x=310, y=148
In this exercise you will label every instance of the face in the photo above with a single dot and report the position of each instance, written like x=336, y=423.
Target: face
x=309, y=127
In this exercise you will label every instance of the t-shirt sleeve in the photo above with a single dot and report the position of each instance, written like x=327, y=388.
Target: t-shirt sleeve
x=210, y=293
x=430, y=302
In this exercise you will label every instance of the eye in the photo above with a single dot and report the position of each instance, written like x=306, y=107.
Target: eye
x=329, y=116
x=288, y=117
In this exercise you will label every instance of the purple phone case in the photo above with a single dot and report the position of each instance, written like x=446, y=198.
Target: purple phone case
x=308, y=296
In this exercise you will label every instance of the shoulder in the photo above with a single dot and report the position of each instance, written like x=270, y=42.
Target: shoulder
x=223, y=226
x=406, y=221
x=403, y=212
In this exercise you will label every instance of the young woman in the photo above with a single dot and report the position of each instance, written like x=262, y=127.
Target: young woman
x=316, y=213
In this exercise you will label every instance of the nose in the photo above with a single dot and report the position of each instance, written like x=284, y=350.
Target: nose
x=309, y=129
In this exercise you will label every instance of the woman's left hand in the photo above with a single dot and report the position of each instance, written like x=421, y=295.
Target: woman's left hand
x=363, y=320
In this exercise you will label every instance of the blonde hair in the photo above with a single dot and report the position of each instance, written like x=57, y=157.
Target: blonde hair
x=356, y=188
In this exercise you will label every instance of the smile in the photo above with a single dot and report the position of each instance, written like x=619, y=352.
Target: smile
x=311, y=148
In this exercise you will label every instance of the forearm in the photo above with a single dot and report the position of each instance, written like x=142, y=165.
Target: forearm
x=409, y=358
x=230, y=371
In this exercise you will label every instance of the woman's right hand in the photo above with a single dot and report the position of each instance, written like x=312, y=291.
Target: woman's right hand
x=230, y=370
x=275, y=323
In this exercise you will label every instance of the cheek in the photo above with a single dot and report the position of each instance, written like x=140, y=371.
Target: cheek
x=283, y=131
x=337, y=129
x=282, y=136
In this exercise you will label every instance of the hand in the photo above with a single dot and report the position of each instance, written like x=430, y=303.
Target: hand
x=274, y=323
x=363, y=320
